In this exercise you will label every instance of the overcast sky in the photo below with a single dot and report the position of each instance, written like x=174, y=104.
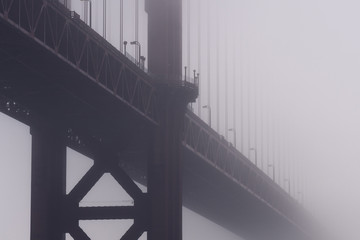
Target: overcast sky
x=294, y=66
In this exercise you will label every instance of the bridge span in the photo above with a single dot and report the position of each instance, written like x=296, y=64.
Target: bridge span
x=75, y=89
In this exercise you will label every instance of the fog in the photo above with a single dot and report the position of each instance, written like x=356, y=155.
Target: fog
x=304, y=57
x=283, y=75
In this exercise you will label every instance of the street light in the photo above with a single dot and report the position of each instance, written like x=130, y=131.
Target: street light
x=234, y=131
x=185, y=71
x=254, y=149
x=209, y=113
x=125, y=43
x=142, y=61
x=273, y=172
x=139, y=45
x=288, y=181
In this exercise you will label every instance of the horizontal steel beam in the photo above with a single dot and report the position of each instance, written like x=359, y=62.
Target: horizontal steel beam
x=102, y=213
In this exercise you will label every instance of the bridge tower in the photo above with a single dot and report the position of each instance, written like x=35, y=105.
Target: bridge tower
x=165, y=38
x=165, y=62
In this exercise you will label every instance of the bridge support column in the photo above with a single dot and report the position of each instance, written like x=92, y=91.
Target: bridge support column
x=48, y=175
x=164, y=178
x=165, y=62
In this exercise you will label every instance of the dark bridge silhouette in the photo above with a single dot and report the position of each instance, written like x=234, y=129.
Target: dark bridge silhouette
x=76, y=90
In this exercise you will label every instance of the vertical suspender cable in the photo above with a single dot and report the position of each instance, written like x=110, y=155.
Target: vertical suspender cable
x=137, y=30
x=290, y=172
x=188, y=38
x=300, y=168
x=208, y=61
x=296, y=178
x=267, y=141
x=234, y=85
x=241, y=55
x=290, y=158
x=104, y=19
x=297, y=169
x=86, y=11
x=283, y=159
x=255, y=112
x=121, y=32
x=199, y=55
x=217, y=70
x=90, y=13
x=287, y=168
x=284, y=162
x=226, y=70
x=299, y=180
x=261, y=116
x=249, y=114
x=188, y=30
x=279, y=155
x=273, y=149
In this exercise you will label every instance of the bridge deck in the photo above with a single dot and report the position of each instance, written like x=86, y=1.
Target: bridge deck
x=74, y=82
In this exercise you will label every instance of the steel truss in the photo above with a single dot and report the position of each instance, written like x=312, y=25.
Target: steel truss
x=215, y=150
x=62, y=32
x=139, y=212
x=54, y=212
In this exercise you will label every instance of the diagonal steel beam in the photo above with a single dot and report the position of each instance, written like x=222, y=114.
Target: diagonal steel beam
x=78, y=234
x=86, y=183
x=133, y=233
x=126, y=182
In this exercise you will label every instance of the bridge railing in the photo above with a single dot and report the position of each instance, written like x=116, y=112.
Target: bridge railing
x=216, y=151
x=181, y=80
x=177, y=80
x=50, y=24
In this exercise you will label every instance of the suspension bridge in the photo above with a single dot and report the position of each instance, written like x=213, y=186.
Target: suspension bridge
x=65, y=74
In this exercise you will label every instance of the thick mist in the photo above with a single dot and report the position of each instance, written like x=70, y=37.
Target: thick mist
x=278, y=79
x=299, y=63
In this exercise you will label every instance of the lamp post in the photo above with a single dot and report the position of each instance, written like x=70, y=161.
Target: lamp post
x=288, y=181
x=185, y=71
x=142, y=61
x=255, y=152
x=273, y=171
x=125, y=43
x=209, y=113
x=139, y=45
x=234, y=131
